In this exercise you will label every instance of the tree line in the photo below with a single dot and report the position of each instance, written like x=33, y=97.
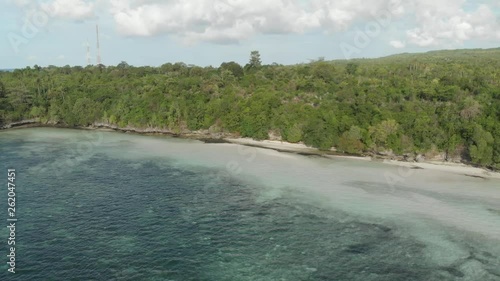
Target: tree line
x=438, y=102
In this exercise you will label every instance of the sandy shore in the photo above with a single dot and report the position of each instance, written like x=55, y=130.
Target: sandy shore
x=276, y=145
x=455, y=168
x=281, y=146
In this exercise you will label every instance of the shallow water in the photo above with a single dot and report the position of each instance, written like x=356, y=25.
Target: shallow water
x=112, y=206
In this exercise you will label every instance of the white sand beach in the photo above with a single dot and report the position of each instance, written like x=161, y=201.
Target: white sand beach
x=456, y=168
x=277, y=145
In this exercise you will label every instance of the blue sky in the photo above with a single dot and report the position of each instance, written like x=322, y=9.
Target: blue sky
x=209, y=32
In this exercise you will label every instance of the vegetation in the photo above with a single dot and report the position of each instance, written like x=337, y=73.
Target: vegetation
x=438, y=102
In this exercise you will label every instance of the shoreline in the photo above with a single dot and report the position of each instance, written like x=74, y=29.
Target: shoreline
x=280, y=146
x=449, y=167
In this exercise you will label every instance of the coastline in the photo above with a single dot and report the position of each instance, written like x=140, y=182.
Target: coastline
x=299, y=148
x=448, y=167
x=280, y=146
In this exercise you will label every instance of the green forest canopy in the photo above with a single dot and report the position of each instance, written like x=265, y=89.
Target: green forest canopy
x=443, y=101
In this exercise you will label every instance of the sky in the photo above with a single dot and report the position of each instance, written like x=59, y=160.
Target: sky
x=209, y=32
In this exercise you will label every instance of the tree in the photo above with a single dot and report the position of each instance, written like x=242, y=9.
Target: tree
x=481, y=149
x=3, y=92
x=123, y=65
x=234, y=67
x=381, y=132
x=471, y=109
x=351, y=68
x=294, y=133
x=3, y=102
x=350, y=141
x=321, y=130
x=323, y=71
x=84, y=112
x=255, y=61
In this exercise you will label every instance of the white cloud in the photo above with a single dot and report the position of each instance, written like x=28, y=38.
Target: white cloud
x=397, y=44
x=69, y=9
x=340, y=15
x=61, y=57
x=63, y=9
x=235, y=20
x=446, y=22
x=21, y=3
x=226, y=21
x=212, y=20
x=436, y=22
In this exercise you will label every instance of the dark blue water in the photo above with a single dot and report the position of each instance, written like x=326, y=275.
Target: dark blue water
x=149, y=219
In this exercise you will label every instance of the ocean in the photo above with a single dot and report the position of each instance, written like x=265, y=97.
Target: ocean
x=94, y=205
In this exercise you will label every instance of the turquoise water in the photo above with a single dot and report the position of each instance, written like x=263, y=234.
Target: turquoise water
x=123, y=208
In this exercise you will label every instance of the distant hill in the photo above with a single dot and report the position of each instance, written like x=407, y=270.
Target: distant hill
x=460, y=55
x=464, y=55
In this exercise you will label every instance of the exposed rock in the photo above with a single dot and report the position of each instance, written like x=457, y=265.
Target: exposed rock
x=275, y=135
x=20, y=123
x=214, y=129
x=456, y=158
x=437, y=157
x=408, y=157
x=387, y=153
x=419, y=158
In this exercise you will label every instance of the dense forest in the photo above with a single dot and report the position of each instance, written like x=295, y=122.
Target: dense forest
x=439, y=103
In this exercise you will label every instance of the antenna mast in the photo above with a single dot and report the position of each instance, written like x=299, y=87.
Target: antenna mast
x=98, y=47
